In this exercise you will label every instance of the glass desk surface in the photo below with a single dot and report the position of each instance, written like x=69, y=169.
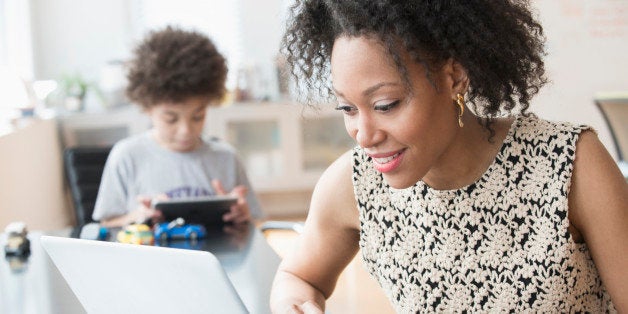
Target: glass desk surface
x=34, y=285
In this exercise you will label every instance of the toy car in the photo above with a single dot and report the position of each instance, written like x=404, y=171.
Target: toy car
x=177, y=229
x=136, y=234
x=17, y=243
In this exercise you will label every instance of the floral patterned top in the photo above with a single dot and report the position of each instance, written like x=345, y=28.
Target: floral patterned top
x=499, y=244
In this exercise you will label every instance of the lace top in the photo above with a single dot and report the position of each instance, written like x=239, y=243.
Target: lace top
x=500, y=243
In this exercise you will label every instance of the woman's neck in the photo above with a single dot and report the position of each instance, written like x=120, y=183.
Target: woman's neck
x=469, y=156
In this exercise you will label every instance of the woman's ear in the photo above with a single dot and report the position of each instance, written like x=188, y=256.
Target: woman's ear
x=456, y=77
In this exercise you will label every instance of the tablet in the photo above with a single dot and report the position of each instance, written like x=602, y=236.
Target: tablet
x=206, y=210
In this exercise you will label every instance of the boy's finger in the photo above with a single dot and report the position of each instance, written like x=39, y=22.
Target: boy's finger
x=143, y=200
x=239, y=191
x=217, y=185
x=228, y=216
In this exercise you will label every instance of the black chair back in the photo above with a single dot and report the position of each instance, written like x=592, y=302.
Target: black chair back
x=615, y=111
x=84, y=167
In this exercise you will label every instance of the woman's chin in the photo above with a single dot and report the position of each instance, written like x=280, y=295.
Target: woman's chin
x=399, y=183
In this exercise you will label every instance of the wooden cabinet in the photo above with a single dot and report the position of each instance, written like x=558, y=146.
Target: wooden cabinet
x=284, y=146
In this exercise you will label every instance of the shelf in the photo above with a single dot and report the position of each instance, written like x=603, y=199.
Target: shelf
x=284, y=147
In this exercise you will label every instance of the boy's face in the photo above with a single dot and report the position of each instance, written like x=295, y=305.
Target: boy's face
x=178, y=126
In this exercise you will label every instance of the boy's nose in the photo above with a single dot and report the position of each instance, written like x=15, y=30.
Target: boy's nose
x=184, y=128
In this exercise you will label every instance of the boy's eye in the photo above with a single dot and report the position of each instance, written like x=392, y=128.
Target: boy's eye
x=198, y=118
x=387, y=107
x=169, y=118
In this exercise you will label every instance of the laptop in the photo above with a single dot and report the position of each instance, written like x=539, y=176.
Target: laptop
x=109, y=277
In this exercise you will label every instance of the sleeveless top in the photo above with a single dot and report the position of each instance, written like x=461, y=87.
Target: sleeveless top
x=499, y=244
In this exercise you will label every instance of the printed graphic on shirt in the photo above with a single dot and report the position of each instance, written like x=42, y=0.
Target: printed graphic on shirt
x=187, y=192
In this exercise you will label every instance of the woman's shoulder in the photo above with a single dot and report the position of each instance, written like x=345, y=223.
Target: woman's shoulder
x=532, y=128
x=333, y=196
x=532, y=122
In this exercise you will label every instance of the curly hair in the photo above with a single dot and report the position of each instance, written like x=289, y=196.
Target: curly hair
x=171, y=65
x=498, y=42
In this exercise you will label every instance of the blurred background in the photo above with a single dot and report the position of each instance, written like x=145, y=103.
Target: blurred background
x=62, y=81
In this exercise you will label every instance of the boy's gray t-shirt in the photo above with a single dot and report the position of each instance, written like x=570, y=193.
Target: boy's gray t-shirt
x=138, y=165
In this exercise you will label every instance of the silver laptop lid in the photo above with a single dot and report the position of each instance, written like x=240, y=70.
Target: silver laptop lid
x=109, y=277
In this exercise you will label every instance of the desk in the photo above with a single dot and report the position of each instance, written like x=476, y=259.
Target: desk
x=623, y=167
x=39, y=288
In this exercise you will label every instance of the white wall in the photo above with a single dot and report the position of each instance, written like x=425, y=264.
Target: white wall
x=262, y=27
x=82, y=36
x=587, y=43
x=79, y=36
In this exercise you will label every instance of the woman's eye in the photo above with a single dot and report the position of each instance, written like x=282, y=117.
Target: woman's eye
x=387, y=107
x=199, y=118
x=346, y=109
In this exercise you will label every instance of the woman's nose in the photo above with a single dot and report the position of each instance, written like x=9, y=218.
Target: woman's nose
x=367, y=133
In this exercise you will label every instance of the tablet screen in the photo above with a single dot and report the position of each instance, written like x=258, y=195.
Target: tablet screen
x=206, y=210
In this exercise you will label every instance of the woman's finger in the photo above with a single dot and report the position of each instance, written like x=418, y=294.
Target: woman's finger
x=310, y=307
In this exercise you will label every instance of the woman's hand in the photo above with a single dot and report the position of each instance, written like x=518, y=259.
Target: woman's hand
x=308, y=307
x=239, y=212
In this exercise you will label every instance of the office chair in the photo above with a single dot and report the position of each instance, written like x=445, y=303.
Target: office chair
x=614, y=109
x=84, y=167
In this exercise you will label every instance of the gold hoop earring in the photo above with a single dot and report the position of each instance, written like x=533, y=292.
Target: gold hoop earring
x=460, y=102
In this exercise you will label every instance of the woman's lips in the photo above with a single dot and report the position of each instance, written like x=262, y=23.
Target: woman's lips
x=387, y=162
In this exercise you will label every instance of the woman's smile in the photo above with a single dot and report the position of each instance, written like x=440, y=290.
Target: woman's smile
x=387, y=162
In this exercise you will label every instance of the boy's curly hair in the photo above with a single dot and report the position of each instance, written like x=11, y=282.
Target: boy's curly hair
x=498, y=42
x=171, y=65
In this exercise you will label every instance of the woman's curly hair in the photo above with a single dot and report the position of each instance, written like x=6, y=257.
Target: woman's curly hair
x=171, y=65
x=497, y=41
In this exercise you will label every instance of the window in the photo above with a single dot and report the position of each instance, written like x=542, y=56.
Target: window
x=16, y=62
x=15, y=37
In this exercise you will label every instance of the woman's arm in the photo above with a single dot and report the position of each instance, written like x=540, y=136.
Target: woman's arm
x=328, y=243
x=598, y=209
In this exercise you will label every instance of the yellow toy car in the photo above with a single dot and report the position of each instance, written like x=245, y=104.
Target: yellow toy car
x=136, y=234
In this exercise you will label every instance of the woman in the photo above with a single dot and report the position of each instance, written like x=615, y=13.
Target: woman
x=457, y=197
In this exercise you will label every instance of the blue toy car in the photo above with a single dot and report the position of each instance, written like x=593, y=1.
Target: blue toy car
x=177, y=229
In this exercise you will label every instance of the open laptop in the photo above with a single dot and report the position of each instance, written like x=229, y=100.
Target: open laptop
x=109, y=277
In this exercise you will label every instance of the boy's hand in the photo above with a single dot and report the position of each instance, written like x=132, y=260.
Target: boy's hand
x=239, y=212
x=144, y=210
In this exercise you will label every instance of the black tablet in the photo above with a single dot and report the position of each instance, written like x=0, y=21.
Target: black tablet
x=206, y=210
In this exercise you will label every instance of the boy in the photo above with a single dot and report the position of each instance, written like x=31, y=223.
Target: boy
x=174, y=76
